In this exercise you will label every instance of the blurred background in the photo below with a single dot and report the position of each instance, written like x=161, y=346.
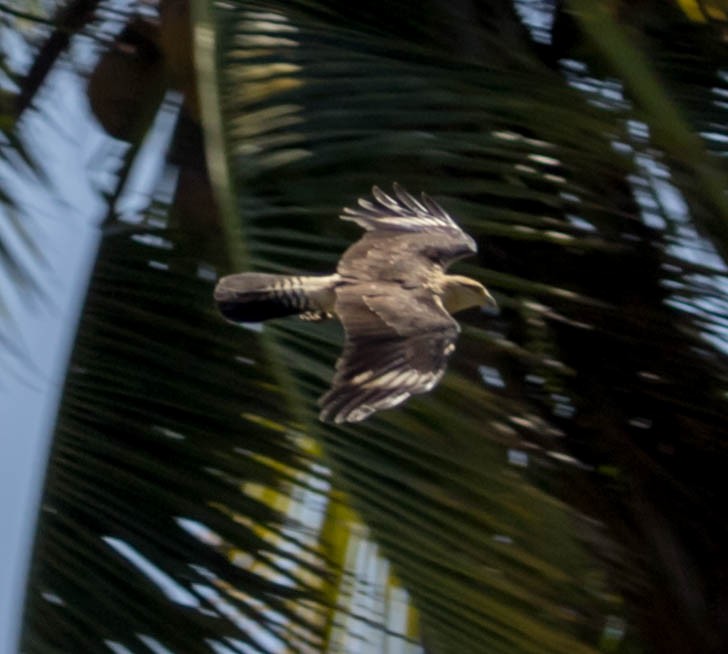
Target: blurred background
x=165, y=485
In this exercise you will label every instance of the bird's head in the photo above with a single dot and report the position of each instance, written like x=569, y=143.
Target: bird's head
x=463, y=293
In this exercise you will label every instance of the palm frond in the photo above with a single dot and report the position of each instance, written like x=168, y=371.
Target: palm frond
x=557, y=492
x=321, y=103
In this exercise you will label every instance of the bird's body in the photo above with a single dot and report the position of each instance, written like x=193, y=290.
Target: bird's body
x=392, y=295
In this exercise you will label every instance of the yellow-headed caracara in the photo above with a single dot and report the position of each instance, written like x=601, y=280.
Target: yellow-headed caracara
x=392, y=295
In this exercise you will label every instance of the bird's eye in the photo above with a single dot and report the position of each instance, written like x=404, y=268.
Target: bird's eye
x=433, y=254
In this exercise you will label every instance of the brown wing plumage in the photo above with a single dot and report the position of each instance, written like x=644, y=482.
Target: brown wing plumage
x=406, y=238
x=403, y=212
x=397, y=344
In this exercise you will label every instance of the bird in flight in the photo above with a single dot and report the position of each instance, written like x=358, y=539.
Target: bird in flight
x=390, y=292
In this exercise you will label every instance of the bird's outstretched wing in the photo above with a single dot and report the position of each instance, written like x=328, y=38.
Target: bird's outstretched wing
x=402, y=212
x=405, y=238
x=398, y=342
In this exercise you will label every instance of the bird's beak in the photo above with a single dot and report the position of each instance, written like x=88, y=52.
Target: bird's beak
x=490, y=308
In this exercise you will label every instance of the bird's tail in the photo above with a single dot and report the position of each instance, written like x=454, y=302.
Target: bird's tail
x=254, y=297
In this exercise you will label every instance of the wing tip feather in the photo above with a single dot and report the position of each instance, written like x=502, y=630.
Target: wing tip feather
x=400, y=211
x=341, y=408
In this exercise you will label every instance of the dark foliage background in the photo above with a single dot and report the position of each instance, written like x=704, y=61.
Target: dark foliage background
x=559, y=491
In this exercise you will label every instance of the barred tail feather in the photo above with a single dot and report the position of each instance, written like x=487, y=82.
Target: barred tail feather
x=255, y=297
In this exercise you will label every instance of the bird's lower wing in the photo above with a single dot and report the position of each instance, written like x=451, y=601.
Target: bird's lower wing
x=398, y=342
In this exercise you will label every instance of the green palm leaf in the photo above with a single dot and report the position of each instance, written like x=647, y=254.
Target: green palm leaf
x=555, y=493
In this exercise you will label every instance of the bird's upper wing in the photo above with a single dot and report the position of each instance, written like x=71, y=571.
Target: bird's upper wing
x=405, y=237
x=398, y=342
x=402, y=212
